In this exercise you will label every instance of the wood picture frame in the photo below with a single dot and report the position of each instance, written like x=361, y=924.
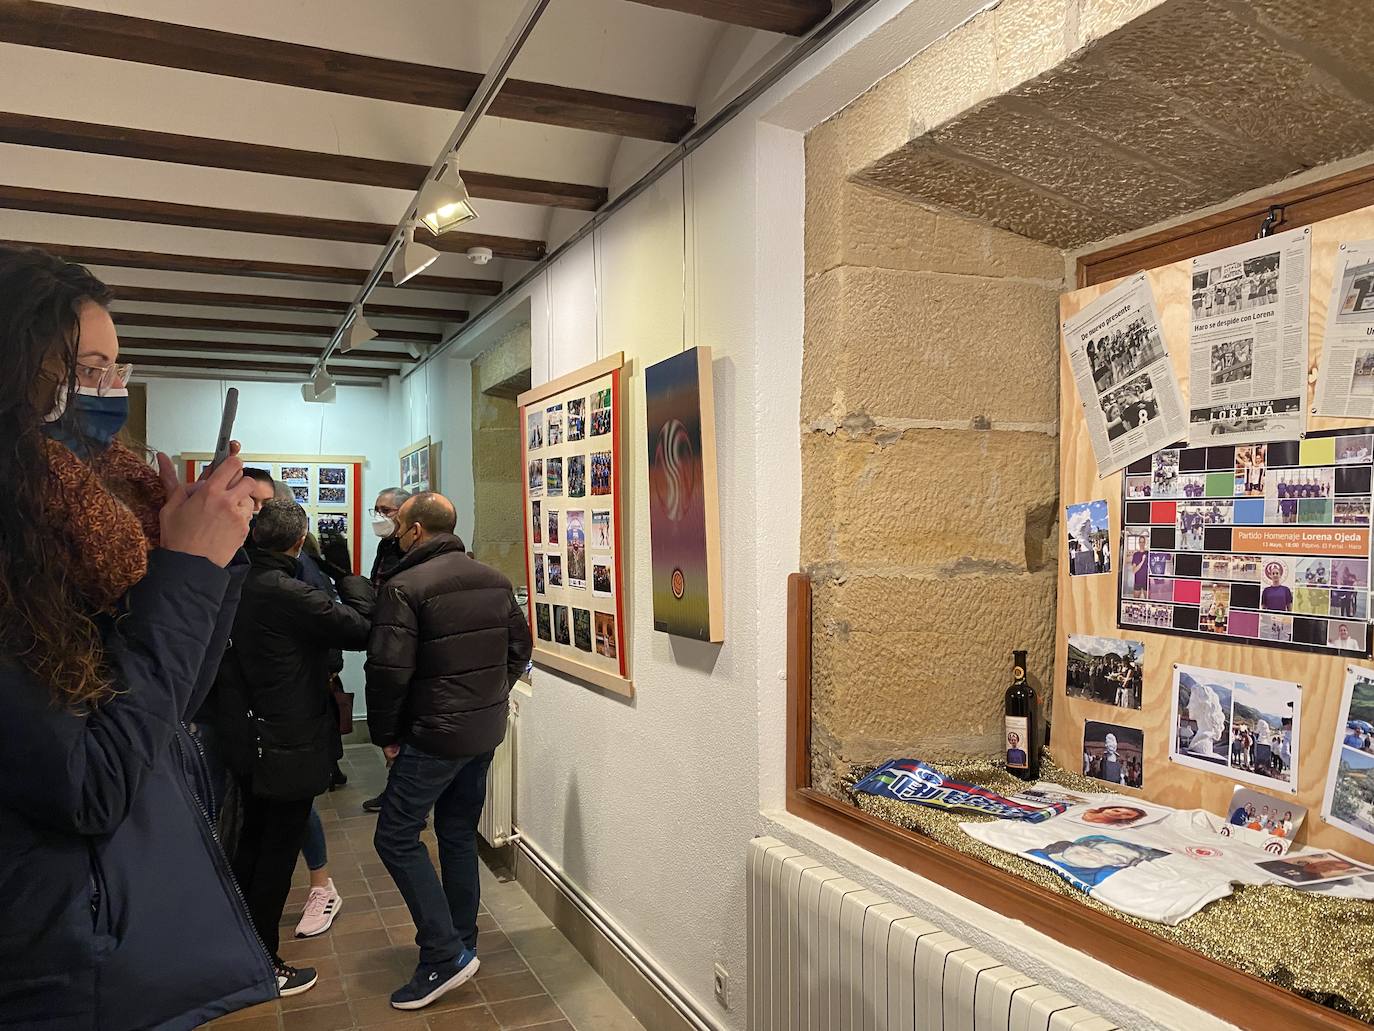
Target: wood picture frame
x=350, y=509
x=420, y=466
x=571, y=462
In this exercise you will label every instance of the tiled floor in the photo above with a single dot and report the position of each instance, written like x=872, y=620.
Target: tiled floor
x=531, y=977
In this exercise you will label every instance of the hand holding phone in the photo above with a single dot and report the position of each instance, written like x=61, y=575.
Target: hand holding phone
x=226, y=428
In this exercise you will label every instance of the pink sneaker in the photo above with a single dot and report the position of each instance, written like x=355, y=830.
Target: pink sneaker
x=321, y=908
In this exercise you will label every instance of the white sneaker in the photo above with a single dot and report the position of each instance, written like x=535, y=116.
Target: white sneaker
x=321, y=908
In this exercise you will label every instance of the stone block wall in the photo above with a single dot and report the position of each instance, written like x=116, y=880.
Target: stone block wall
x=929, y=463
x=499, y=529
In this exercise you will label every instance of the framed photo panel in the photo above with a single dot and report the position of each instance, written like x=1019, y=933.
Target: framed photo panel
x=572, y=471
x=420, y=466
x=328, y=487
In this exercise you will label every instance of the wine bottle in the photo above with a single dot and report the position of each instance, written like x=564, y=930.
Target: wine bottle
x=1023, y=758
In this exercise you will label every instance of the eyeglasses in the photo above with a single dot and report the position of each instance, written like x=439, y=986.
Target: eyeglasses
x=103, y=379
x=383, y=513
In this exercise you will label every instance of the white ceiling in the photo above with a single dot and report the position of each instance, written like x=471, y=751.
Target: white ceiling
x=611, y=46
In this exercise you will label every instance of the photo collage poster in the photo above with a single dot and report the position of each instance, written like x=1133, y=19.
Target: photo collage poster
x=1263, y=543
x=326, y=488
x=571, y=492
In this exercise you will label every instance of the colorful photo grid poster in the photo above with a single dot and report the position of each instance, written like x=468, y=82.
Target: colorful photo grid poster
x=572, y=475
x=1265, y=543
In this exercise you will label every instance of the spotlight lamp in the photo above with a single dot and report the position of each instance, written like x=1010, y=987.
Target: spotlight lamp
x=320, y=389
x=444, y=203
x=411, y=258
x=358, y=332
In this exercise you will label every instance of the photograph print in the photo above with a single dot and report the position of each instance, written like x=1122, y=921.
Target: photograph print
x=1106, y=670
x=1349, y=798
x=1114, y=754
x=561, y=632
x=539, y=574
x=333, y=495
x=577, y=476
x=601, y=473
x=1129, y=406
x=1261, y=820
x=1357, y=293
x=1120, y=353
x=555, y=428
x=553, y=477
x=543, y=622
x=555, y=563
x=1308, y=868
x=1236, y=286
x=582, y=629
x=335, y=524
x=301, y=493
x=601, y=412
x=537, y=521
x=605, y=634
x=333, y=475
x=1089, y=548
x=534, y=430
x=553, y=527
x=577, y=419
x=1242, y=727
x=601, y=530
x=577, y=549
x=295, y=474
x=536, y=477
x=601, y=580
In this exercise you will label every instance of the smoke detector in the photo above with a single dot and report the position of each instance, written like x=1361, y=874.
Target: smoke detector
x=479, y=255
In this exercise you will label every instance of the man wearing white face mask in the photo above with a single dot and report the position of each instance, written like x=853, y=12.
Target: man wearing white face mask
x=389, y=555
x=384, y=511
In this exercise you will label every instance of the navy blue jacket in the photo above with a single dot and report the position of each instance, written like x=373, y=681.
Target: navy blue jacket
x=117, y=906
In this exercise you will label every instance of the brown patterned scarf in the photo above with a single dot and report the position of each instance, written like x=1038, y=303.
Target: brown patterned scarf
x=106, y=515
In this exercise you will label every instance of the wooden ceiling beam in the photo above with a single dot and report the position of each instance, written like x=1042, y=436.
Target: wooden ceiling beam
x=298, y=329
x=793, y=17
x=88, y=138
x=216, y=299
x=169, y=45
x=133, y=347
x=265, y=223
x=218, y=266
x=281, y=368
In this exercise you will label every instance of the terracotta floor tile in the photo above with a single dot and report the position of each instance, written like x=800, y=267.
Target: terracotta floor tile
x=508, y=962
x=504, y=987
x=321, y=1018
x=374, y=869
x=371, y=983
x=402, y=935
x=395, y=916
x=378, y=1009
x=265, y=1011
x=486, y=922
x=372, y=959
x=385, y=893
x=478, y=1018
x=262, y=1022
x=302, y=950
x=325, y=992
x=346, y=943
x=356, y=918
x=526, y=1012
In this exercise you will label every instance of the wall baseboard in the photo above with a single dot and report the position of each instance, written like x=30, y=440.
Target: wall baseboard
x=648, y=992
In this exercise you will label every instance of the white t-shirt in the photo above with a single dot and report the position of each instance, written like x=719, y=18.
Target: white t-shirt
x=1165, y=870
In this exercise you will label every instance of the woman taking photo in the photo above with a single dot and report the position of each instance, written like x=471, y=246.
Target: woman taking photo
x=117, y=589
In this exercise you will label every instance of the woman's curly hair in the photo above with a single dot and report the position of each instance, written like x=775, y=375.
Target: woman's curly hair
x=43, y=624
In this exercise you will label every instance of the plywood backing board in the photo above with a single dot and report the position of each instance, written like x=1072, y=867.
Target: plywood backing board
x=1088, y=604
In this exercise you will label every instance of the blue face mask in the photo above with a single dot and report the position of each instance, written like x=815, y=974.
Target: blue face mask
x=90, y=421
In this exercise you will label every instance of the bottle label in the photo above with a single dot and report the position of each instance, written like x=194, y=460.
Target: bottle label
x=1018, y=743
x=1017, y=673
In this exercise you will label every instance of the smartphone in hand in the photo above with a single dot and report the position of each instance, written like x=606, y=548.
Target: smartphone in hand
x=226, y=428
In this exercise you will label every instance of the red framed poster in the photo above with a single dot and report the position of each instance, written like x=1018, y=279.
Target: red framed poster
x=571, y=464
x=328, y=487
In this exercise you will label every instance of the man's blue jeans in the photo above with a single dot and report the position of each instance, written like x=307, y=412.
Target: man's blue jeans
x=445, y=914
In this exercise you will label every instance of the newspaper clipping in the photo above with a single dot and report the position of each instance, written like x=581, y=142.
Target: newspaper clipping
x=1248, y=343
x=1125, y=382
x=1345, y=386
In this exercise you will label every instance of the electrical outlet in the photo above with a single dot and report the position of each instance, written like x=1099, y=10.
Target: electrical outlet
x=722, y=986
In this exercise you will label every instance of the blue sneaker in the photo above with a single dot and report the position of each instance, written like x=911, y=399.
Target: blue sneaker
x=433, y=980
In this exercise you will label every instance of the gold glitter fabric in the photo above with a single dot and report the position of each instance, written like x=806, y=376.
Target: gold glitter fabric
x=1318, y=946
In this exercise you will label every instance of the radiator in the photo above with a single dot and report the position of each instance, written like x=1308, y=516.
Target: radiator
x=497, y=816
x=827, y=955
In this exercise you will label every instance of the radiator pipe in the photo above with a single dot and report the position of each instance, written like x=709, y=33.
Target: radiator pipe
x=666, y=986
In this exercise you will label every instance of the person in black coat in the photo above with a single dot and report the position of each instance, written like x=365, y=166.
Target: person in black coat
x=278, y=717
x=119, y=587
x=448, y=643
x=384, y=511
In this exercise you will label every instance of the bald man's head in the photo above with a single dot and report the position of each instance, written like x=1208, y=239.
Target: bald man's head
x=422, y=517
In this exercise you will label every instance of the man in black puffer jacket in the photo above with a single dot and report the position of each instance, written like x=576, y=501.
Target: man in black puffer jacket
x=278, y=716
x=448, y=642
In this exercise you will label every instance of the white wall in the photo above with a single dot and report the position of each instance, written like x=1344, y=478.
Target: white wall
x=183, y=415
x=647, y=805
x=436, y=402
